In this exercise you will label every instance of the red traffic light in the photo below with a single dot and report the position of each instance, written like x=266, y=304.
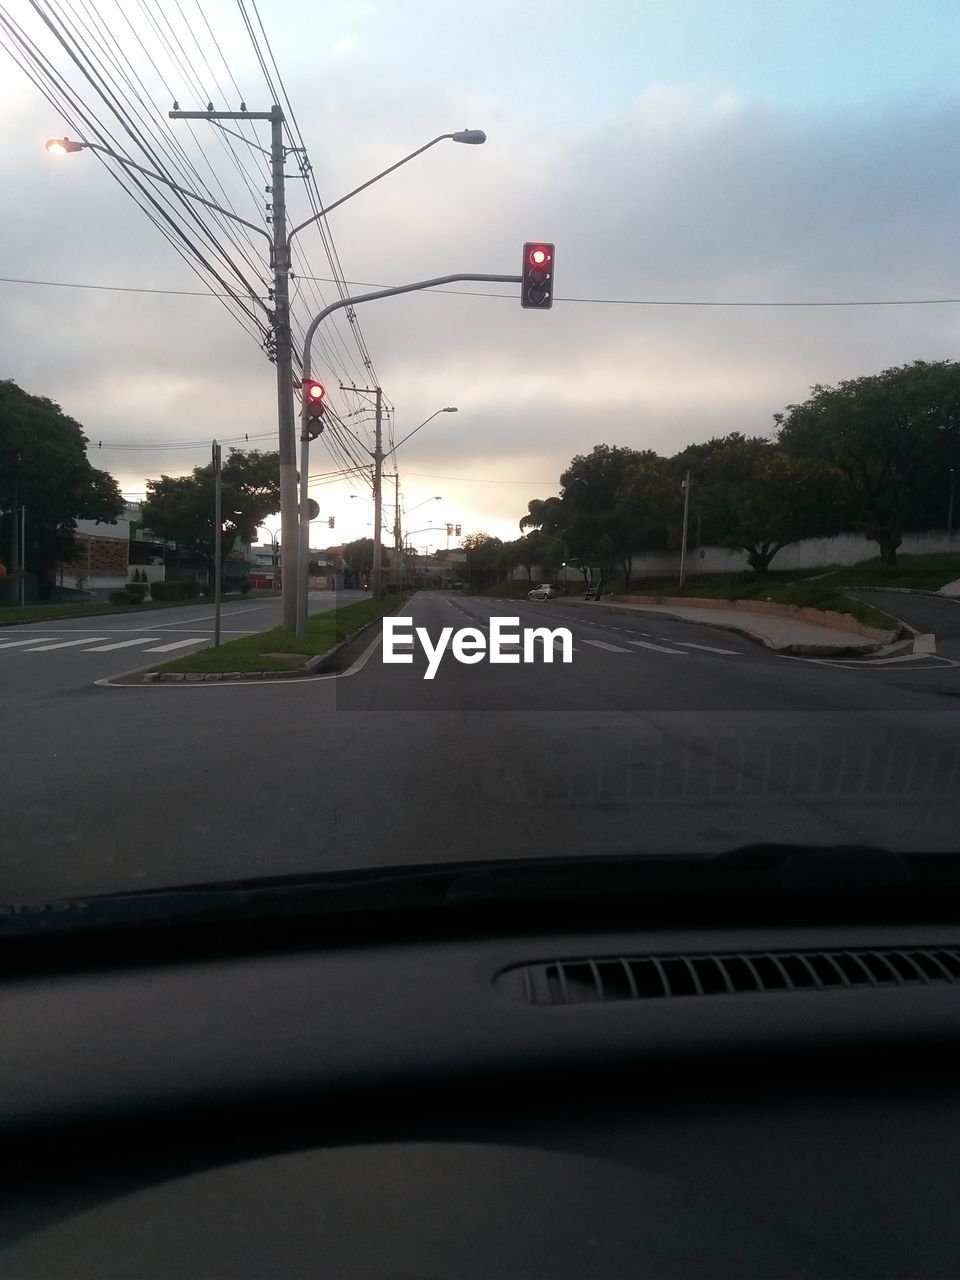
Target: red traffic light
x=536, y=287
x=313, y=393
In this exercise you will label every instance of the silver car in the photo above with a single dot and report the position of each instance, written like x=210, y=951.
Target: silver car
x=544, y=592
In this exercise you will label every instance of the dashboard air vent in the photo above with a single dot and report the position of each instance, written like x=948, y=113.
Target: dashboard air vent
x=605, y=979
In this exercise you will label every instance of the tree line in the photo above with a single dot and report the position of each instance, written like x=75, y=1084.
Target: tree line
x=873, y=454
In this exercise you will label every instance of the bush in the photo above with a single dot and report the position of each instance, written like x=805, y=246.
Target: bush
x=158, y=590
x=189, y=590
x=119, y=597
x=137, y=591
x=245, y=588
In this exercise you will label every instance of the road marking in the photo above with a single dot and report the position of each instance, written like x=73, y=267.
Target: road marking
x=121, y=644
x=602, y=644
x=658, y=648
x=64, y=644
x=707, y=648
x=925, y=644
x=12, y=644
x=177, y=644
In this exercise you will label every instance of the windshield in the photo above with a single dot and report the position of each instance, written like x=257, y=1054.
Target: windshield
x=427, y=441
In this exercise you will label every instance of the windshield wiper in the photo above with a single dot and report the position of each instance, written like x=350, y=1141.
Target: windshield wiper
x=776, y=870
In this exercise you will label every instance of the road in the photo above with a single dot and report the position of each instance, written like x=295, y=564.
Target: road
x=659, y=736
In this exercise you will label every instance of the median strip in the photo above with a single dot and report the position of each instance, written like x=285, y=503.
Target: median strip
x=278, y=652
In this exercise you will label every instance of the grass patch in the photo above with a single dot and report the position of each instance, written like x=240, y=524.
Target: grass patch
x=279, y=650
x=922, y=572
x=12, y=615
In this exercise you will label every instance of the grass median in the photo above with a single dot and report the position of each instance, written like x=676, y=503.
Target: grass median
x=280, y=650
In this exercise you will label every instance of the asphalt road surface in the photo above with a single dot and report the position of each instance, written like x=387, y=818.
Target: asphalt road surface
x=659, y=736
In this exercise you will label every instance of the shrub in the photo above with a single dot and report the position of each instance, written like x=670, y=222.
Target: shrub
x=189, y=590
x=137, y=591
x=119, y=597
x=245, y=587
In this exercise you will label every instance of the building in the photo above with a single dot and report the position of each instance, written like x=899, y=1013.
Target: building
x=108, y=555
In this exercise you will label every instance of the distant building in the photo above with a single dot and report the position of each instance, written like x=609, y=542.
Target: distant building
x=108, y=555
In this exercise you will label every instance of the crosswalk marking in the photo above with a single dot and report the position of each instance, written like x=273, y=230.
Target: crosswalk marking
x=709, y=648
x=64, y=644
x=177, y=644
x=12, y=644
x=121, y=644
x=612, y=648
x=658, y=648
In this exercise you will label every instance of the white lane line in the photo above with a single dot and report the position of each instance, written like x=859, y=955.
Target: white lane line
x=177, y=644
x=12, y=644
x=926, y=643
x=64, y=644
x=602, y=644
x=121, y=644
x=707, y=648
x=658, y=648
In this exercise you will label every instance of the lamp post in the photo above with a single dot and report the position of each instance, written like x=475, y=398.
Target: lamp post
x=279, y=241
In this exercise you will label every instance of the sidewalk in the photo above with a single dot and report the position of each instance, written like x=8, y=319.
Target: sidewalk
x=784, y=635
x=951, y=589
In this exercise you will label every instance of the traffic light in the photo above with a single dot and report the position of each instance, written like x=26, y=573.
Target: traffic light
x=449, y=530
x=536, y=289
x=457, y=531
x=313, y=393
x=330, y=522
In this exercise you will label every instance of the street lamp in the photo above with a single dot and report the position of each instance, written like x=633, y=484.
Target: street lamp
x=279, y=242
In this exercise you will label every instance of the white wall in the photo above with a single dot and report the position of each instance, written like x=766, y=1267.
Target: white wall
x=812, y=553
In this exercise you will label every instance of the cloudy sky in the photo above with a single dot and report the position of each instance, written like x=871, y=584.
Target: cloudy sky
x=677, y=151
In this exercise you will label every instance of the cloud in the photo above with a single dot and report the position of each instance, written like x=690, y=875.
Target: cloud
x=345, y=44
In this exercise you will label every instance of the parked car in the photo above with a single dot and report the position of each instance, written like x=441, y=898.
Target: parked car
x=544, y=592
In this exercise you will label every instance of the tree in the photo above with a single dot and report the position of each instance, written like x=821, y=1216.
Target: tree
x=44, y=468
x=534, y=548
x=649, y=503
x=180, y=509
x=358, y=556
x=484, y=558
x=894, y=435
x=785, y=500
x=753, y=497
x=598, y=528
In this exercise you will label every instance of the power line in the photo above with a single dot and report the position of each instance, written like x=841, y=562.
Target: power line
x=623, y=302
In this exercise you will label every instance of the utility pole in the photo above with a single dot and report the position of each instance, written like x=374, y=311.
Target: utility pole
x=397, y=530
x=218, y=542
x=286, y=413
x=950, y=504
x=378, y=500
x=15, y=534
x=685, y=485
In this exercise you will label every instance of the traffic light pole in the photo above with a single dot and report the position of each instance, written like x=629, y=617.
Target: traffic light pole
x=217, y=541
x=378, y=453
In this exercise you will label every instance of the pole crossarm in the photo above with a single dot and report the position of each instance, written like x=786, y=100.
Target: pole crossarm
x=391, y=293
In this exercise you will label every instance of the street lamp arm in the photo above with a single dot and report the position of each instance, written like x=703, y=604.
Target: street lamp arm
x=415, y=430
x=363, y=186
x=158, y=177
